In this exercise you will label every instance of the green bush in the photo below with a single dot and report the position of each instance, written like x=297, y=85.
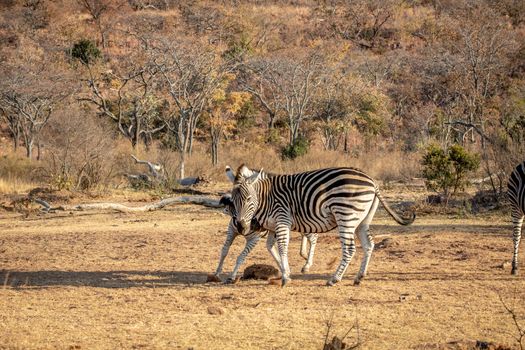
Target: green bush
x=448, y=170
x=246, y=116
x=298, y=148
x=85, y=51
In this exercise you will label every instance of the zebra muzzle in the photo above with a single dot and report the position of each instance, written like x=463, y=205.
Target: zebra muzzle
x=242, y=227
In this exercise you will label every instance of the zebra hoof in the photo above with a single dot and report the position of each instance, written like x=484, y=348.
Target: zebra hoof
x=514, y=271
x=305, y=269
x=230, y=280
x=332, y=282
x=357, y=281
x=284, y=282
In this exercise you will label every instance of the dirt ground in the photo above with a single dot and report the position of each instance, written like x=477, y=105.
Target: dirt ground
x=89, y=280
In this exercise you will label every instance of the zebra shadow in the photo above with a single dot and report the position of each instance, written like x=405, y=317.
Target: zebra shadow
x=412, y=276
x=100, y=279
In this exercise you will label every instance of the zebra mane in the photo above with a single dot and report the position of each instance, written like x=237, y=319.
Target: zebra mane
x=244, y=172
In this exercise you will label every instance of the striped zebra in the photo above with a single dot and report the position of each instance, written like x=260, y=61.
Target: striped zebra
x=255, y=233
x=312, y=202
x=516, y=194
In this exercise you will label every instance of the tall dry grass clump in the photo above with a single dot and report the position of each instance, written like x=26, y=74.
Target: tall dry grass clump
x=17, y=175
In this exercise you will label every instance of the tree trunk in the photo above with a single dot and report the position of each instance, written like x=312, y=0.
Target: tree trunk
x=271, y=122
x=293, y=132
x=16, y=141
x=29, y=149
x=136, y=132
x=214, y=152
x=181, y=165
x=38, y=150
x=215, y=135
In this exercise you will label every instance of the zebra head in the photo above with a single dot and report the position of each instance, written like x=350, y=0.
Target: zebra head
x=244, y=196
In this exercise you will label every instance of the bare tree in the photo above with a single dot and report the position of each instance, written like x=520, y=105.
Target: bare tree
x=257, y=78
x=32, y=113
x=13, y=123
x=128, y=99
x=28, y=97
x=332, y=110
x=191, y=75
x=475, y=66
x=286, y=86
x=361, y=21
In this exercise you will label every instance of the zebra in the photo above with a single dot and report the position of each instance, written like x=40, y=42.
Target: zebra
x=254, y=234
x=312, y=202
x=516, y=195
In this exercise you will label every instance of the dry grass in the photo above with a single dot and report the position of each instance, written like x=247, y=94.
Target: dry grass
x=385, y=166
x=15, y=186
x=17, y=174
x=106, y=280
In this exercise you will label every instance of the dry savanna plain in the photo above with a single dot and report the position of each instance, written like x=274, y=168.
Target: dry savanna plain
x=107, y=280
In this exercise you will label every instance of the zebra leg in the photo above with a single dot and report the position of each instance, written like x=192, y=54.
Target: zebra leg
x=230, y=236
x=304, y=243
x=251, y=241
x=312, y=238
x=270, y=245
x=282, y=236
x=346, y=236
x=367, y=243
x=517, y=221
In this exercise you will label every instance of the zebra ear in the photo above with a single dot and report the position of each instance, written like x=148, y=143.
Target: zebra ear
x=229, y=174
x=245, y=172
x=256, y=176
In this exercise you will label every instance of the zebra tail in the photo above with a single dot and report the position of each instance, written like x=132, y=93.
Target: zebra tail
x=400, y=220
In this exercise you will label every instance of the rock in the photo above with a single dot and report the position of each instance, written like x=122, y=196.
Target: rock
x=260, y=272
x=214, y=310
x=505, y=265
x=335, y=344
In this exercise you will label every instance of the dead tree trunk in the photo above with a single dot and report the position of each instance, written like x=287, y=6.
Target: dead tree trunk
x=208, y=202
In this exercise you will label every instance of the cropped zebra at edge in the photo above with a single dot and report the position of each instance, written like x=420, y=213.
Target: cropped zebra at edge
x=312, y=202
x=516, y=194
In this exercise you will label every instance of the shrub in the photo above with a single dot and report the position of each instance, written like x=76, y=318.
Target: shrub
x=297, y=149
x=85, y=51
x=446, y=170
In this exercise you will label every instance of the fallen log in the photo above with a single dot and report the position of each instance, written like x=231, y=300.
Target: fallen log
x=208, y=202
